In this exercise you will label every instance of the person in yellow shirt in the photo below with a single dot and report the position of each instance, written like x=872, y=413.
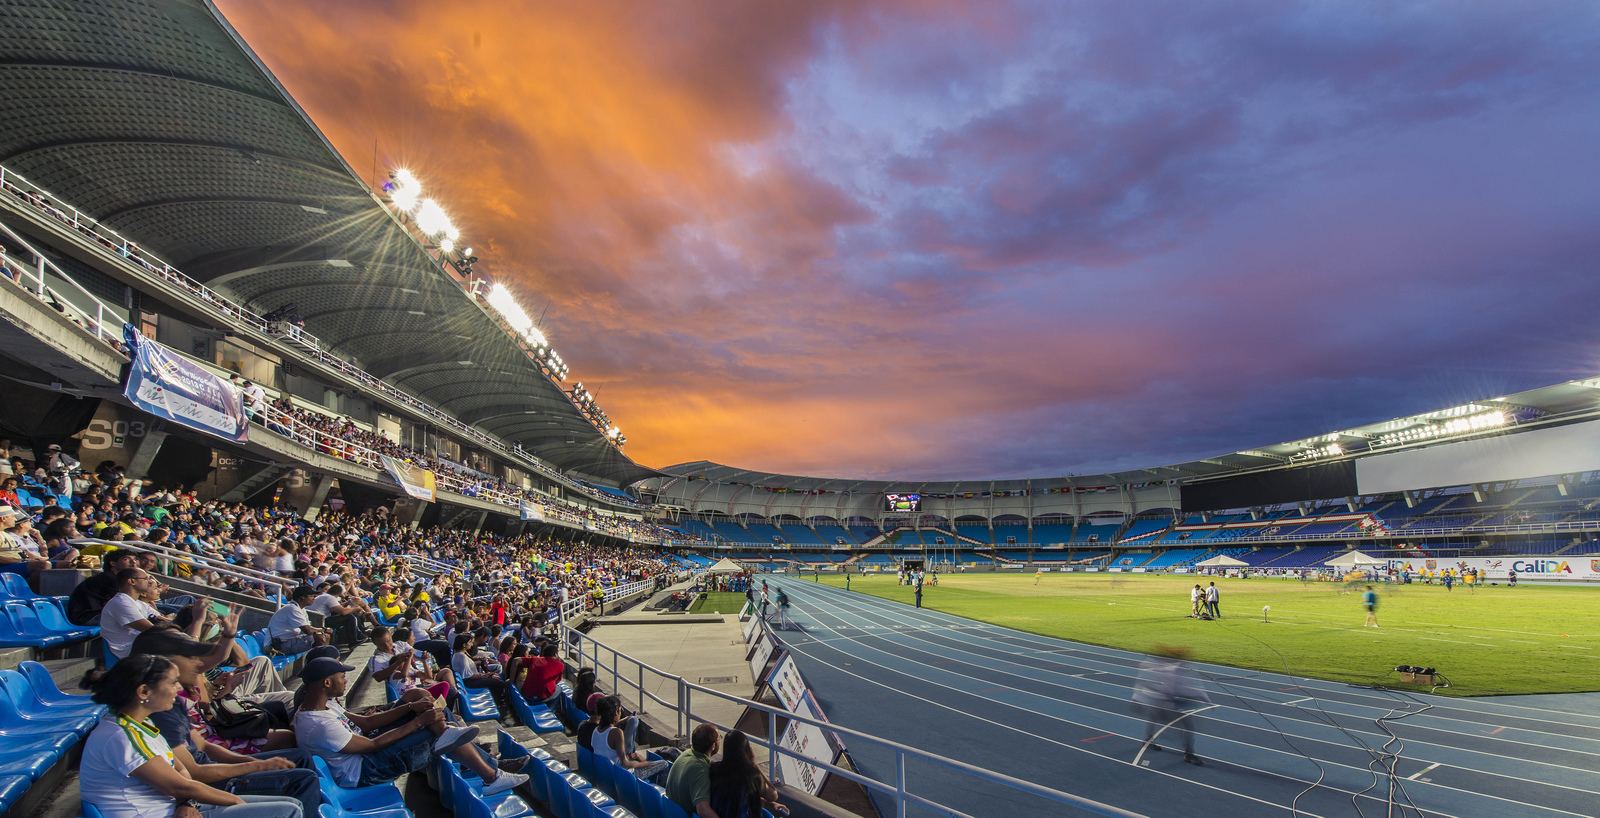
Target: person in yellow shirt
x=388, y=602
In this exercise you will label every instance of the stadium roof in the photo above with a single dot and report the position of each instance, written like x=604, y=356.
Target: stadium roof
x=154, y=117
x=1560, y=403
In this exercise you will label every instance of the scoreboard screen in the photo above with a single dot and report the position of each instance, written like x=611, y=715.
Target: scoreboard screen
x=907, y=503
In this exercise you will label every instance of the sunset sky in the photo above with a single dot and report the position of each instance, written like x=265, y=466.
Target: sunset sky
x=945, y=239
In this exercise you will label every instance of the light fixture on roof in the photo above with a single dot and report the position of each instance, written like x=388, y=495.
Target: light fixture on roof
x=403, y=188
x=1454, y=426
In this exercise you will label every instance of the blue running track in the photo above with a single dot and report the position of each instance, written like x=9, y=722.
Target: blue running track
x=1057, y=713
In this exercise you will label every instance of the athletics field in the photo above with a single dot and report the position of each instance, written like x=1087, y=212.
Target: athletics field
x=1489, y=640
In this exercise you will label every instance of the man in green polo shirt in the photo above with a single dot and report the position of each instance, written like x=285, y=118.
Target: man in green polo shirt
x=689, y=782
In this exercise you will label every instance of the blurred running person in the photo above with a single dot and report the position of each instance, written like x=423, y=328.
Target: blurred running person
x=1162, y=688
x=1370, y=600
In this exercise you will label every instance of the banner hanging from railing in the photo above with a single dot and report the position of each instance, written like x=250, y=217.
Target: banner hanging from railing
x=532, y=513
x=417, y=481
x=166, y=385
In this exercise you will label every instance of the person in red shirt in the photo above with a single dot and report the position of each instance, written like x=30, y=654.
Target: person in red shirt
x=543, y=683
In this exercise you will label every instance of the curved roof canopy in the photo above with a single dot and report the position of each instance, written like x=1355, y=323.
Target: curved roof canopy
x=155, y=118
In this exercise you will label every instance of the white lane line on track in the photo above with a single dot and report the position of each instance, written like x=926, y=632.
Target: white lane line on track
x=1295, y=756
x=1419, y=773
x=1439, y=702
x=1357, y=745
x=860, y=611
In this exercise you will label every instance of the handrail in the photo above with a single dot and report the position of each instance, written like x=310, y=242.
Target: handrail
x=899, y=790
x=39, y=289
x=429, y=563
x=198, y=561
x=308, y=344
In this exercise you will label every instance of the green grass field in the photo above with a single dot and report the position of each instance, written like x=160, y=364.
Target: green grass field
x=724, y=602
x=1491, y=640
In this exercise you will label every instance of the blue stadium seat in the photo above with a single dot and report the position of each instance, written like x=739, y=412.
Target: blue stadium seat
x=537, y=717
x=16, y=587
x=462, y=790
x=52, y=619
x=546, y=777
x=476, y=705
x=384, y=799
x=19, y=696
x=44, y=689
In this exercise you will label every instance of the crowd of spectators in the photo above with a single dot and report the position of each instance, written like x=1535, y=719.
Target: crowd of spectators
x=200, y=726
x=176, y=742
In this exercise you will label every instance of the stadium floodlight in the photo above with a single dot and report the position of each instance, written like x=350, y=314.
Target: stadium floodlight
x=431, y=218
x=447, y=245
x=1454, y=426
x=613, y=433
x=504, y=303
x=404, y=189
x=1319, y=452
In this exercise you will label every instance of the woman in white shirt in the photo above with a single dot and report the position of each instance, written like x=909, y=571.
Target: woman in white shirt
x=128, y=770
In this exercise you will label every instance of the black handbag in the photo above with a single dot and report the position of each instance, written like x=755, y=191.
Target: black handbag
x=231, y=718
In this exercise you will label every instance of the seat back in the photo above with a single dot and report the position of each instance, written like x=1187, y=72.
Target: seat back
x=92, y=811
x=586, y=762
x=17, y=690
x=16, y=586
x=670, y=809
x=43, y=684
x=50, y=616
x=25, y=620
x=324, y=772
x=251, y=645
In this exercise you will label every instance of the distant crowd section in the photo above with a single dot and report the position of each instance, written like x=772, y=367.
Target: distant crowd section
x=1530, y=520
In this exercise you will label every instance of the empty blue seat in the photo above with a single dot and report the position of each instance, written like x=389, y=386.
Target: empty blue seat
x=26, y=709
x=537, y=717
x=16, y=587
x=52, y=619
x=476, y=705
x=45, y=691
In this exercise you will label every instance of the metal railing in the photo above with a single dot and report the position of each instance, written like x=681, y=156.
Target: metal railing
x=317, y=439
x=629, y=679
x=306, y=343
x=94, y=316
x=169, y=554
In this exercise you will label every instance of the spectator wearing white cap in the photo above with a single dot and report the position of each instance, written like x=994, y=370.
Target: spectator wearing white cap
x=15, y=556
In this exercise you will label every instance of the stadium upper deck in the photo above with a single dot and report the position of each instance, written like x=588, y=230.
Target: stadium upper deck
x=169, y=143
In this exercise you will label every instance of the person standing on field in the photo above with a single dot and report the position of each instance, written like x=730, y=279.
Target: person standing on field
x=1195, y=597
x=1212, y=603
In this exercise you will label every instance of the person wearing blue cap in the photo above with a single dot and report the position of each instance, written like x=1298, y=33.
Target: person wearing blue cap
x=364, y=750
